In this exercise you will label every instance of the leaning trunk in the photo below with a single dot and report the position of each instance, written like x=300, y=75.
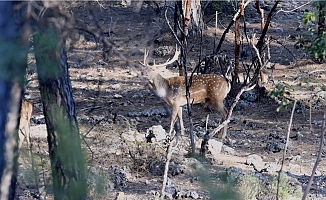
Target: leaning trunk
x=67, y=162
x=13, y=53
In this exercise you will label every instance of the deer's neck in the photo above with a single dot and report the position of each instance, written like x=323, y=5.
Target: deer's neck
x=160, y=85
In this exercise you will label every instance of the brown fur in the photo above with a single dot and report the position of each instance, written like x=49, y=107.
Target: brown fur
x=205, y=88
x=24, y=123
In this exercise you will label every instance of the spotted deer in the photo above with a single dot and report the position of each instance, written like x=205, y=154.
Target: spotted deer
x=24, y=123
x=205, y=88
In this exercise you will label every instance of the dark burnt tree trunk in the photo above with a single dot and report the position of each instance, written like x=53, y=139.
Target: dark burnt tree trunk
x=321, y=6
x=13, y=63
x=67, y=162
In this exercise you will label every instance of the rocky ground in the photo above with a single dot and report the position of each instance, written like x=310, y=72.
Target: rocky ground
x=116, y=111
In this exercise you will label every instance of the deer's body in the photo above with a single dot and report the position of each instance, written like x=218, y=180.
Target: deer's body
x=205, y=88
x=24, y=123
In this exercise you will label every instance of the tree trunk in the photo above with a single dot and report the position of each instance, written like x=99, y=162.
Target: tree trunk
x=67, y=162
x=321, y=18
x=13, y=63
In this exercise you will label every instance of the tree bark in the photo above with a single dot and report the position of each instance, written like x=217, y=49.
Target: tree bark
x=67, y=162
x=321, y=17
x=13, y=63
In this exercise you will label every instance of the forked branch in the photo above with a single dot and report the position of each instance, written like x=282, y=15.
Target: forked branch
x=321, y=144
x=209, y=135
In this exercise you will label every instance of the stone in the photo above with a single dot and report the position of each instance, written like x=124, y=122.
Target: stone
x=254, y=159
x=228, y=150
x=117, y=96
x=156, y=132
x=215, y=147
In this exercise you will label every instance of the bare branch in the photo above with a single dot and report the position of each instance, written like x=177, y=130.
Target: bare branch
x=321, y=144
x=285, y=148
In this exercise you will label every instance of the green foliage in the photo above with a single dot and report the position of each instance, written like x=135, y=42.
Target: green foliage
x=308, y=17
x=286, y=188
x=281, y=93
x=34, y=171
x=249, y=186
x=224, y=189
x=313, y=44
x=302, y=80
x=98, y=183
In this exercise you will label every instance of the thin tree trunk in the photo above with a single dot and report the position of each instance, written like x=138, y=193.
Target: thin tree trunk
x=262, y=25
x=321, y=17
x=237, y=45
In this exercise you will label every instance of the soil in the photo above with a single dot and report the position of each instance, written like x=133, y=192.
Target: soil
x=112, y=96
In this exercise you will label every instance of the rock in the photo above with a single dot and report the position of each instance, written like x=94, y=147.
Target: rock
x=193, y=194
x=116, y=86
x=251, y=124
x=156, y=132
x=228, y=150
x=121, y=196
x=215, y=147
x=154, y=112
x=251, y=95
x=242, y=104
x=148, y=113
x=233, y=173
x=275, y=146
x=170, y=192
x=156, y=168
x=132, y=136
x=276, y=142
x=278, y=30
x=74, y=58
x=256, y=161
x=88, y=58
x=193, y=163
x=126, y=3
x=38, y=119
x=117, y=96
x=317, y=122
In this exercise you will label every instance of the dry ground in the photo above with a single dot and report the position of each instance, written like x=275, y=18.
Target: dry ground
x=107, y=93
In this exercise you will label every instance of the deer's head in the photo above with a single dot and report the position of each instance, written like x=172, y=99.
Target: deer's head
x=152, y=71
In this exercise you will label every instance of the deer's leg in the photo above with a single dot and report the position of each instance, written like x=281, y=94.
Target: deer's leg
x=28, y=135
x=219, y=106
x=223, y=113
x=182, y=129
x=21, y=138
x=174, y=114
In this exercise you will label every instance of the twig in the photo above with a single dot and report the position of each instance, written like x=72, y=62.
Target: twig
x=310, y=125
x=169, y=153
x=90, y=108
x=206, y=125
x=87, y=51
x=317, y=70
x=284, y=151
x=174, y=34
x=287, y=11
x=321, y=144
